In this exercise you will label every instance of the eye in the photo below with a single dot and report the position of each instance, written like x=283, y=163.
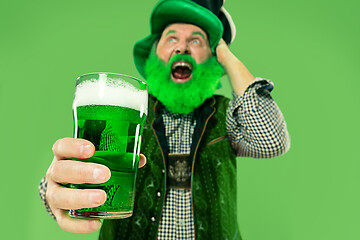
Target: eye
x=172, y=40
x=196, y=41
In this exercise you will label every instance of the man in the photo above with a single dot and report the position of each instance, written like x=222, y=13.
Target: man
x=187, y=189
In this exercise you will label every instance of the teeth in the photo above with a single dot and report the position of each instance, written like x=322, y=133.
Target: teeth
x=182, y=64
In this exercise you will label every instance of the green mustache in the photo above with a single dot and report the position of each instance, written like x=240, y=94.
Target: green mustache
x=185, y=97
x=184, y=58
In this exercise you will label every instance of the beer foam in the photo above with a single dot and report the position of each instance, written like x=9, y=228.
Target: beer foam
x=114, y=92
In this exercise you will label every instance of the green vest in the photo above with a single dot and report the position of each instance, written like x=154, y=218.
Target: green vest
x=213, y=180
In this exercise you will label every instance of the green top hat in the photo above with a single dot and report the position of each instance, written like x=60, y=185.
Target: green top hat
x=167, y=12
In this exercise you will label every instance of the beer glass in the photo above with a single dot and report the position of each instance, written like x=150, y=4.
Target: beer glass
x=110, y=111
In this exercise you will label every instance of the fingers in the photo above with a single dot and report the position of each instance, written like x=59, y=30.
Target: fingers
x=223, y=54
x=73, y=148
x=60, y=198
x=142, y=160
x=70, y=224
x=221, y=42
x=76, y=172
x=65, y=198
x=220, y=45
x=69, y=171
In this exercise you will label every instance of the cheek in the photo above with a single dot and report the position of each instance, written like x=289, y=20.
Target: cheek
x=202, y=56
x=163, y=53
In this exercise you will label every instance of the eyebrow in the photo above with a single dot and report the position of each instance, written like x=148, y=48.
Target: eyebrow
x=199, y=33
x=194, y=33
x=169, y=32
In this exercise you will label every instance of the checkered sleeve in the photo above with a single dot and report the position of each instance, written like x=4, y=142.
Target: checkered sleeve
x=256, y=126
x=42, y=192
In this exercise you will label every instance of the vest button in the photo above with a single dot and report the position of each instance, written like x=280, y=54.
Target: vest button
x=163, y=171
x=153, y=219
x=158, y=194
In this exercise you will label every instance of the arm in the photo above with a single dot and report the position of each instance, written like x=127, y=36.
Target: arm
x=239, y=75
x=256, y=126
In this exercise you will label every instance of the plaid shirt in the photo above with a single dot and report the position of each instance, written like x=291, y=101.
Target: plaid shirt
x=177, y=221
x=256, y=128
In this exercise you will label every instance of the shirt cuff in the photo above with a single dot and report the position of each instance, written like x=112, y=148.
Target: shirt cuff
x=256, y=87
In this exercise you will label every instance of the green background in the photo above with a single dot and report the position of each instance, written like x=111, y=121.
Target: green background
x=310, y=49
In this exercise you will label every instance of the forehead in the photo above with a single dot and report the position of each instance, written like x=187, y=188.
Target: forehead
x=183, y=28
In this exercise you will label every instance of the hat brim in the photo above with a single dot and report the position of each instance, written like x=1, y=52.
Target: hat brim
x=167, y=12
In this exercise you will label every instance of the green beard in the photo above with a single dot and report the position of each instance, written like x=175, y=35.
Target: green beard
x=182, y=97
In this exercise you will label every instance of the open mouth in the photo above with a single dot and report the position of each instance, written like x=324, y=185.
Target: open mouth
x=181, y=71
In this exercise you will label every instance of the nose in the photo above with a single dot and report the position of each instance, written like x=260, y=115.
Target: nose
x=182, y=48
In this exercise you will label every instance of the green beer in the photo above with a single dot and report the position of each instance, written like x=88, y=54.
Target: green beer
x=115, y=132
